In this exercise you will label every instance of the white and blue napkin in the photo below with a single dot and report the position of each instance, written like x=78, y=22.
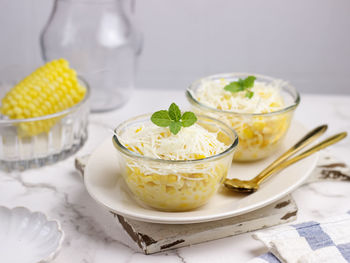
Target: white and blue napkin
x=310, y=242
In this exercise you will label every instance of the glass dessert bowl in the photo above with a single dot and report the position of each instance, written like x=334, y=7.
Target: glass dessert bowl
x=176, y=184
x=41, y=119
x=260, y=115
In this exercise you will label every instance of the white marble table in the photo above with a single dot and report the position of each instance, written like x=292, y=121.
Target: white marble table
x=91, y=236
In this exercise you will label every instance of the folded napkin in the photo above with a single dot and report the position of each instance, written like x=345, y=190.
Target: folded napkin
x=310, y=242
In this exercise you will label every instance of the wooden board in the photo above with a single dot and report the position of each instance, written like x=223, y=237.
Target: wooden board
x=153, y=238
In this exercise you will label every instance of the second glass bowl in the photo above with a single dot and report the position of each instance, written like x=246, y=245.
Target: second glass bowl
x=35, y=142
x=260, y=134
x=175, y=185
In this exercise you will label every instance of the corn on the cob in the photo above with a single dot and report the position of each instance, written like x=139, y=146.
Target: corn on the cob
x=49, y=89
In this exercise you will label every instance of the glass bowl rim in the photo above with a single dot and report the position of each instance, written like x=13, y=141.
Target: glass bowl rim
x=193, y=100
x=54, y=115
x=121, y=148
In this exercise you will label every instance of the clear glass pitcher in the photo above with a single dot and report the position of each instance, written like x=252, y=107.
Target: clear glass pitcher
x=99, y=39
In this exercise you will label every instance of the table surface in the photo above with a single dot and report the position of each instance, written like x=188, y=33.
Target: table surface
x=93, y=236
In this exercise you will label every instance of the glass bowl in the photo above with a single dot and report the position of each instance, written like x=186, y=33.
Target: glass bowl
x=175, y=185
x=260, y=134
x=35, y=142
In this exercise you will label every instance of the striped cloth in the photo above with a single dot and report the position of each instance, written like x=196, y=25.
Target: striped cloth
x=310, y=242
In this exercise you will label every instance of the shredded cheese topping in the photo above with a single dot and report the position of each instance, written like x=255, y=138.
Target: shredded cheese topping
x=194, y=142
x=267, y=97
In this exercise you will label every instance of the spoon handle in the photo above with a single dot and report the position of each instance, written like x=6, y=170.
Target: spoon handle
x=323, y=144
x=306, y=140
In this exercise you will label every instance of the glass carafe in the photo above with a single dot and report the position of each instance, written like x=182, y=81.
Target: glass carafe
x=99, y=39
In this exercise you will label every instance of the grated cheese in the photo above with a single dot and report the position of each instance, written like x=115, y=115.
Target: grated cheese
x=267, y=97
x=194, y=142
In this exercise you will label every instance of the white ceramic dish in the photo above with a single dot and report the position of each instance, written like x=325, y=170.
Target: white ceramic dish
x=27, y=237
x=107, y=188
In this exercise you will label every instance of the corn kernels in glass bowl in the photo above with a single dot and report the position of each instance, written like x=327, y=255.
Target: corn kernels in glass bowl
x=175, y=185
x=260, y=132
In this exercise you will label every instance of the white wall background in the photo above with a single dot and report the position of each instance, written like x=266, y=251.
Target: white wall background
x=304, y=41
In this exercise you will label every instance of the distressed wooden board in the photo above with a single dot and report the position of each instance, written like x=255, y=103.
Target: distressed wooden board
x=153, y=238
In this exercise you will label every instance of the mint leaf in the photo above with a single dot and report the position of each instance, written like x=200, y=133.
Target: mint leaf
x=161, y=118
x=249, y=82
x=233, y=87
x=175, y=127
x=242, y=85
x=249, y=94
x=174, y=112
x=172, y=118
x=241, y=82
x=188, y=119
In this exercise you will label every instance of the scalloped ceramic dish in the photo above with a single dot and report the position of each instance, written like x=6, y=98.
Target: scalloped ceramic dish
x=28, y=237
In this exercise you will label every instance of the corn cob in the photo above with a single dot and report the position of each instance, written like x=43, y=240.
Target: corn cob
x=51, y=88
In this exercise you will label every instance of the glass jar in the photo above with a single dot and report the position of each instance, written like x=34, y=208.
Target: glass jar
x=101, y=43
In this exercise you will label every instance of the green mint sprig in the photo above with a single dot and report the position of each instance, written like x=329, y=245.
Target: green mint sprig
x=173, y=119
x=242, y=85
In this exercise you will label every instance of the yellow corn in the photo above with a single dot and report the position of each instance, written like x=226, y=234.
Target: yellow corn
x=259, y=125
x=174, y=192
x=247, y=132
x=51, y=88
x=172, y=178
x=275, y=104
x=198, y=156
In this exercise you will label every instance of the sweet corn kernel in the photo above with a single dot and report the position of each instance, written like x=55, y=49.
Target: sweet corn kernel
x=199, y=156
x=259, y=125
x=275, y=104
x=248, y=133
x=174, y=192
x=172, y=178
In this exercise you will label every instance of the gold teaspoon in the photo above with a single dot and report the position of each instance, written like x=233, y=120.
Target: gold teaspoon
x=249, y=186
x=304, y=141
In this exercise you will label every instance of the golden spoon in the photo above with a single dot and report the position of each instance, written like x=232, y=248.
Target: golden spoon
x=304, y=141
x=252, y=185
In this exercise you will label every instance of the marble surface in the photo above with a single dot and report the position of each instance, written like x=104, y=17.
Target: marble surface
x=91, y=235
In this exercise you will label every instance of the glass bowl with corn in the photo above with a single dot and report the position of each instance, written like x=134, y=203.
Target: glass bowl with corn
x=259, y=108
x=174, y=172
x=43, y=117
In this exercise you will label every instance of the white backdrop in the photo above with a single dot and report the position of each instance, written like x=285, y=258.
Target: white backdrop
x=305, y=42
